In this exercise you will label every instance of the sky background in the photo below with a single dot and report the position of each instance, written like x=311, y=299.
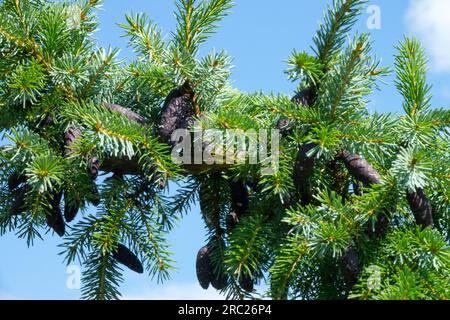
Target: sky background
x=259, y=34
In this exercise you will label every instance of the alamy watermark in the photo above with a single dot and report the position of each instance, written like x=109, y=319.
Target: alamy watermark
x=374, y=279
x=374, y=19
x=227, y=147
x=73, y=281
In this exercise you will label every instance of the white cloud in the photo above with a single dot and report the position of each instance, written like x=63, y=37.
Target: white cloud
x=182, y=291
x=429, y=20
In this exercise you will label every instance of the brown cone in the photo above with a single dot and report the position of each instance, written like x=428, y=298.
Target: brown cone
x=219, y=282
x=70, y=137
x=421, y=207
x=176, y=113
x=246, y=283
x=304, y=165
x=204, y=268
x=131, y=115
x=303, y=170
x=351, y=267
x=15, y=180
x=18, y=205
x=124, y=256
x=239, y=203
x=54, y=216
x=70, y=210
x=304, y=98
x=95, y=196
x=360, y=169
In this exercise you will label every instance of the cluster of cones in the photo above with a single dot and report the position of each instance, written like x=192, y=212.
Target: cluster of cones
x=362, y=172
x=206, y=271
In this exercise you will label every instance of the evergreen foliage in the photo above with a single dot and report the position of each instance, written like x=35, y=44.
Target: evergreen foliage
x=357, y=194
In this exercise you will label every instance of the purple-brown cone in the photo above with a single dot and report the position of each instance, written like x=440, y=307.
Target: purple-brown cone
x=360, y=169
x=421, y=207
x=124, y=256
x=204, y=268
x=177, y=113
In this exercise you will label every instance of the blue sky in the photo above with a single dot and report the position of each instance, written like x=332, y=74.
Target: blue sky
x=259, y=34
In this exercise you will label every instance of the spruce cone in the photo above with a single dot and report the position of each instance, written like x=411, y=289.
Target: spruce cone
x=95, y=196
x=211, y=218
x=303, y=169
x=219, y=282
x=124, y=256
x=239, y=203
x=54, y=217
x=131, y=115
x=94, y=168
x=304, y=98
x=70, y=210
x=204, y=268
x=304, y=165
x=360, y=169
x=381, y=225
x=285, y=126
x=70, y=137
x=246, y=283
x=421, y=207
x=15, y=180
x=351, y=267
x=177, y=113
x=18, y=205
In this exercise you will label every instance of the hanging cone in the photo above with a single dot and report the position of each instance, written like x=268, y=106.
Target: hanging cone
x=304, y=98
x=18, y=205
x=95, y=196
x=94, y=168
x=304, y=165
x=204, y=268
x=211, y=218
x=177, y=113
x=131, y=115
x=70, y=137
x=303, y=170
x=381, y=225
x=285, y=126
x=351, y=267
x=70, y=210
x=360, y=169
x=54, y=216
x=219, y=282
x=124, y=256
x=421, y=207
x=239, y=203
x=239, y=198
x=246, y=283
x=15, y=180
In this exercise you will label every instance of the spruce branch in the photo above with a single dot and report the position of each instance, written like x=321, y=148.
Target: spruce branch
x=338, y=21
